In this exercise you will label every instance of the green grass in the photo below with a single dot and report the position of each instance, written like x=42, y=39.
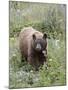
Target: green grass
x=22, y=74
x=49, y=18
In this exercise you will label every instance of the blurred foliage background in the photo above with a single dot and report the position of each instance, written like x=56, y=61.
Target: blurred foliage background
x=49, y=18
x=43, y=17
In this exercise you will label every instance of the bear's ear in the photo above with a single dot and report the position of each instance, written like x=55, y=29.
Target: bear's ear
x=34, y=37
x=45, y=36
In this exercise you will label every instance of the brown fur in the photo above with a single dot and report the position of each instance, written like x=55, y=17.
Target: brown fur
x=25, y=44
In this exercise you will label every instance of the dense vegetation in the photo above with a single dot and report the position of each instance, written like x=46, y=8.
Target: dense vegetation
x=49, y=18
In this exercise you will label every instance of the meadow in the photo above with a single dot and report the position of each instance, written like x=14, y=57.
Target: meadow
x=49, y=18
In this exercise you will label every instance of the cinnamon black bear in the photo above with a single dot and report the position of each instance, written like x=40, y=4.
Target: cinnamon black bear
x=33, y=46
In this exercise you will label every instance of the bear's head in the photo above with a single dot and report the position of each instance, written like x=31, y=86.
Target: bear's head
x=39, y=44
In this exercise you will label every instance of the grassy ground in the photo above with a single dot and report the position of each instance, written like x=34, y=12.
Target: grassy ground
x=49, y=18
x=22, y=75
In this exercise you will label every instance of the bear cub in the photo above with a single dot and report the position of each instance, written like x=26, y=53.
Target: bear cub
x=33, y=46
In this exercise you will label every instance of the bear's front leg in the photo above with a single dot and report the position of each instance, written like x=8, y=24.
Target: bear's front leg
x=32, y=62
x=29, y=59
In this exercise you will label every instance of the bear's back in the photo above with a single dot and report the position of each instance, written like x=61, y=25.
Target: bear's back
x=29, y=31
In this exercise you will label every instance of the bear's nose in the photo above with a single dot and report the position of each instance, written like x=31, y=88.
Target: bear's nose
x=38, y=47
